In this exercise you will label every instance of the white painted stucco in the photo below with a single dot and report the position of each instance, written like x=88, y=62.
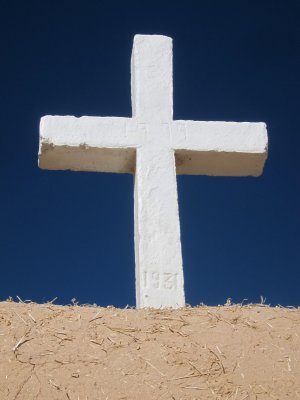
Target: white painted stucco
x=154, y=147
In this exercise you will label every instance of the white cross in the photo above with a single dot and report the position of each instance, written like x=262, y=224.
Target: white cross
x=153, y=147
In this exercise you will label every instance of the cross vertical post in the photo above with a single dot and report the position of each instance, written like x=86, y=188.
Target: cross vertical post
x=159, y=272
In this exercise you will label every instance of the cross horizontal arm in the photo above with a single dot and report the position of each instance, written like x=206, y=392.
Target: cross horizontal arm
x=219, y=148
x=104, y=144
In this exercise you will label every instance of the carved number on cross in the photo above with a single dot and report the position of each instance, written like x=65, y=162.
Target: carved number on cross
x=157, y=280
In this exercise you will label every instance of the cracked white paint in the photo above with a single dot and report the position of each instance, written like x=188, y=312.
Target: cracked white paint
x=153, y=146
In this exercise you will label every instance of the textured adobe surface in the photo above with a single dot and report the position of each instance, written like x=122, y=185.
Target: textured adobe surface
x=91, y=353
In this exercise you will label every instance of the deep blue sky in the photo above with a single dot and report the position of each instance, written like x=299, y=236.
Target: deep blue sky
x=70, y=234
